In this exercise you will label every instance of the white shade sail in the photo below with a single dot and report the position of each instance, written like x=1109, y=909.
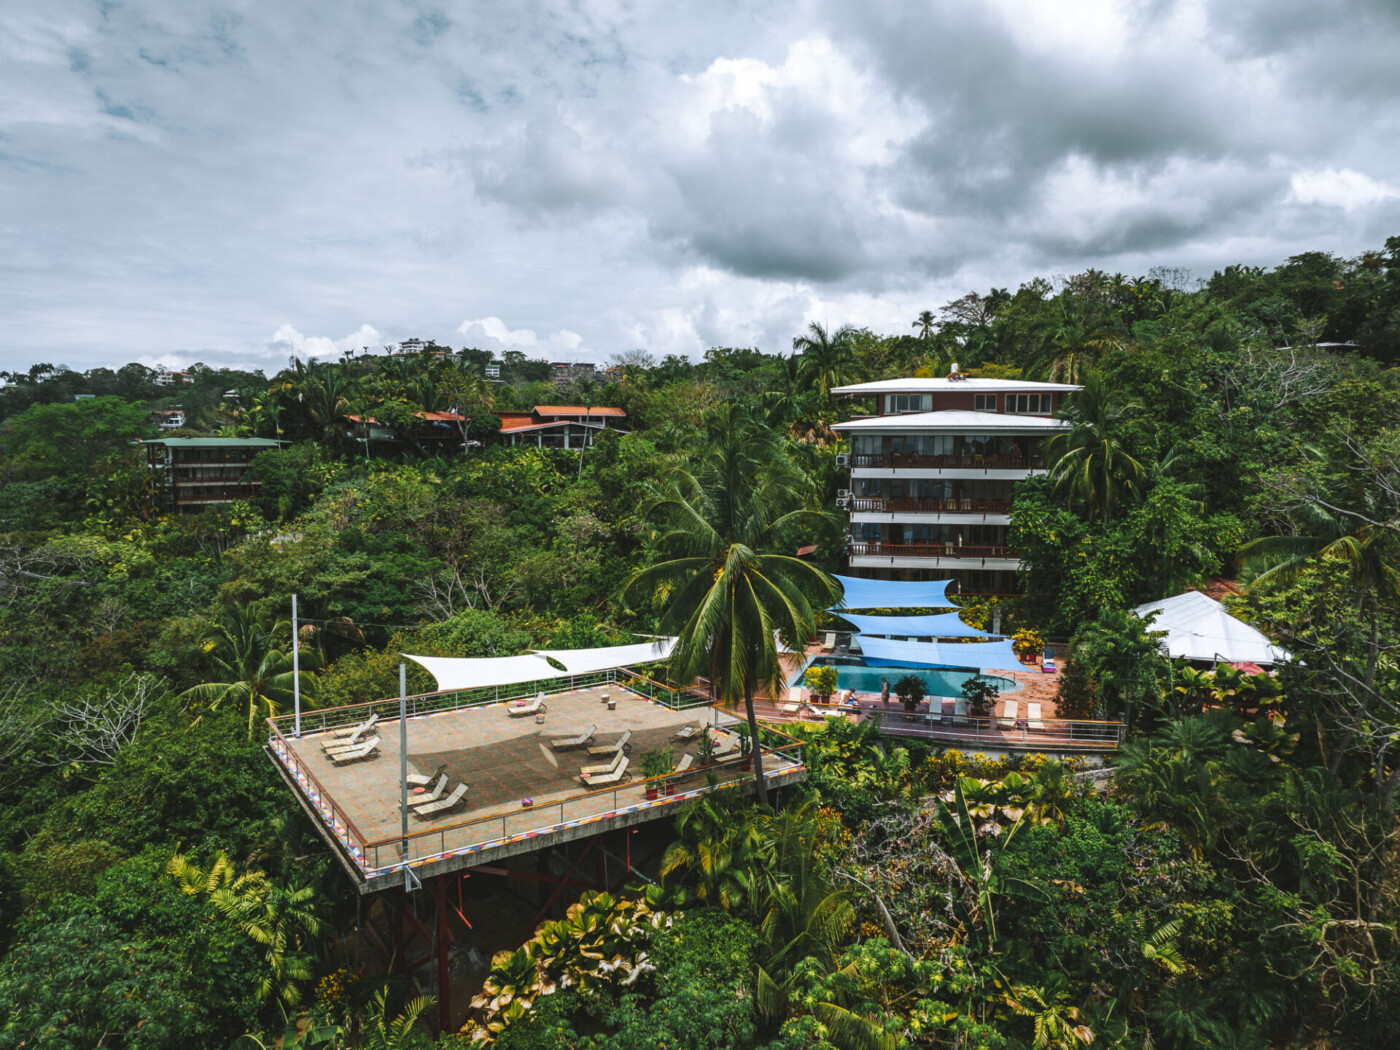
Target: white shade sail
x=891, y=594
x=454, y=672
x=984, y=656
x=937, y=625
x=583, y=661
x=483, y=672
x=1199, y=628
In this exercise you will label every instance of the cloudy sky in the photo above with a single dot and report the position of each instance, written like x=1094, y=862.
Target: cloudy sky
x=235, y=183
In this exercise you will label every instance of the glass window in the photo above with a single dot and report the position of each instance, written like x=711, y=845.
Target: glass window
x=1030, y=404
x=984, y=402
x=900, y=403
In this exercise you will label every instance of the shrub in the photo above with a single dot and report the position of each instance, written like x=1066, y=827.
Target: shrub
x=911, y=690
x=822, y=681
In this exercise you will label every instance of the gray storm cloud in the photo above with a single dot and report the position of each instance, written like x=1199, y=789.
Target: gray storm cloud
x=179, y=184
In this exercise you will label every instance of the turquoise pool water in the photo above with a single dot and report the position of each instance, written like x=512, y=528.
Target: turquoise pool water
x=866, y=679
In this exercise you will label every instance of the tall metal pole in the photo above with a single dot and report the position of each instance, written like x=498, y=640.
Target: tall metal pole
x=403, y=753
x=296, y=668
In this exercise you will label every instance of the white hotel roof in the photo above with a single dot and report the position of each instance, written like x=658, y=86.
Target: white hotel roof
x=942, y=384
x=956, y=419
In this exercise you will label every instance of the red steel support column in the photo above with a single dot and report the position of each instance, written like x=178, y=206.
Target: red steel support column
x=444, y=978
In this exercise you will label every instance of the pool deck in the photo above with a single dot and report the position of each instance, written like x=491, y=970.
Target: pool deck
x=504, y=760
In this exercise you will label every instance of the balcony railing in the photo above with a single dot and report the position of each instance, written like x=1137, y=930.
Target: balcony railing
x=913, y=459
x=930, y=506
x=930, y=550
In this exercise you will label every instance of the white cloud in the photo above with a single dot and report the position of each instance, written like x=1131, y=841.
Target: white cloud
x=491, y=333
x=288, y=340
x=1343, y=188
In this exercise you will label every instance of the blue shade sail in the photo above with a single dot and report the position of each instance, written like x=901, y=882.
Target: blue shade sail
x=938, y=625
x=892, y=594
x=983, y=656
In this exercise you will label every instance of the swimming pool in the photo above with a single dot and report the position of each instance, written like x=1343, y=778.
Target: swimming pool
x=940, y=681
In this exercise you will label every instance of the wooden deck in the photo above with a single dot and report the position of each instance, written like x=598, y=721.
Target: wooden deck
x=504, y=760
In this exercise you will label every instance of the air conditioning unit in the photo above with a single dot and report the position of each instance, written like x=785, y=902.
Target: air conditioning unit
x=843, y=459
x=843, y=502
x=843, y=493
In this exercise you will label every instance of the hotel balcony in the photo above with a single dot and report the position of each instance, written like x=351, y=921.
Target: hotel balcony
x=915, y=465
x=877, y=555
x=865, y=509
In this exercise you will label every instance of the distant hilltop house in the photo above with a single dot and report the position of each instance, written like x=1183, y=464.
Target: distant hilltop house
x=192, y=473
x=165, y=377
x=934, y=472
x=429, y=430
x=558, y=426
x=169, y=419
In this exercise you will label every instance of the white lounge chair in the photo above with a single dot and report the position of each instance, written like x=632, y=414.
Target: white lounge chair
x=451, y=802
x=619, y=746
x=355, y=732
x=1033, y=717
x=688, y=732
x=424, y=779
x=534, y=707
x=1009, y=710
x=960, y=713
x=563, y=743
x=685, y=763
x=617, y=776
x=603, y=767
x=794, y=703
x=830, y=642
x=726, y=744
x=432, y=795
x=357, y=753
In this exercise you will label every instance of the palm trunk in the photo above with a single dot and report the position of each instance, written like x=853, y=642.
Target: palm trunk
x=757, y=751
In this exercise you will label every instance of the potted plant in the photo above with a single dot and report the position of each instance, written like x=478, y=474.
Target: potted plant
x=705, y=750
x=822, y=681
x=911, y=690
x=745, y=750
x=1027, y=644
x=980, y=693
x=656, y=763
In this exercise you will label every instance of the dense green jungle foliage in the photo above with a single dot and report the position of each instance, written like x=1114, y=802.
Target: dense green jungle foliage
x=1232, y=884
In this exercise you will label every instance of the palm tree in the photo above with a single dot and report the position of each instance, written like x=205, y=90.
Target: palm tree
x=925, y=324
x=1071, y=343
x=246, y=655
x=726, y=600
x=1089, y=462
x=1120, y=651
x=828, y=359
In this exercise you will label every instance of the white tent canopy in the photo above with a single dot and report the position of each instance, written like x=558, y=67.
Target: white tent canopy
x=484, y=672
x=583, y=661
x=1199, y=628
x=984, y=656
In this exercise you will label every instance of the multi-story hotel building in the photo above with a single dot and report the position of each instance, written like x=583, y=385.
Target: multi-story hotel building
x=933, y=473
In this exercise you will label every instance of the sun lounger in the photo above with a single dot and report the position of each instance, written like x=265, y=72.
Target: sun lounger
x=726, y=744
x=424, y=779
x=794, y=703
x=336, y=747
x=432, y=795
x=534, y=707
x=1033, y=717
x=830, y=642
x=960, y=713
x=356, y=754
x=689, y=732
x=563, y=743
x=617, y=776
x=607, y=749
x=603, y=767
x=451, y=802
x=1009, y=710
x=355, y=732
x=685, y=763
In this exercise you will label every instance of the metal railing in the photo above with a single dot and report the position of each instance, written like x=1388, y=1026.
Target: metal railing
x=782, y=756
x=931, y=550
x=335, y=818
x=930, y=506
x=318, y=720
x=914, y=459
x=992, y=731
